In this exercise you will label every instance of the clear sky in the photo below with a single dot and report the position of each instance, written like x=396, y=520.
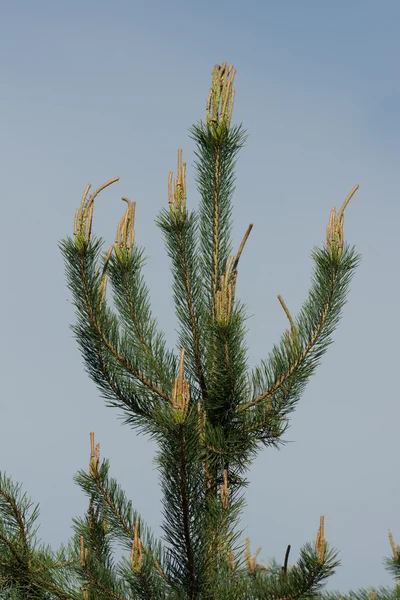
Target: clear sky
x=93, y=90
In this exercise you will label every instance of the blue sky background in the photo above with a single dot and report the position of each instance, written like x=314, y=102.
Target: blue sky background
x=93, y=90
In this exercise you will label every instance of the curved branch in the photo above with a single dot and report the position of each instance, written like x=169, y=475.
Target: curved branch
x=121, y=359
x=273, y=388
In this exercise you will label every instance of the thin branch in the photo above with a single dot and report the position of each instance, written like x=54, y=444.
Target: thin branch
x=287, y=313
x=243, y=242
x=239, y=253
x=285, y=564
x=345, y=203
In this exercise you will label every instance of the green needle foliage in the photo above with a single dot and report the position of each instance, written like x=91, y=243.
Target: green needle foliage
x=207, y=410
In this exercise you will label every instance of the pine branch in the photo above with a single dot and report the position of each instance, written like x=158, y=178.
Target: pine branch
x=237, y=258
x=303, y=580
x=123, y=266
x=102, y=336
x=106, y=495
x=25, y=569
x=393, y=563
x=100, y=577
x=105, y=353
x=215, y=179
x=217, y=147
x=13, y=519
x=128, y=395
x=282, y=380
x=180, y=232
x=301, y=348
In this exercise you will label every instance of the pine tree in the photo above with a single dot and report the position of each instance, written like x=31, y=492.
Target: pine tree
x=207, y=410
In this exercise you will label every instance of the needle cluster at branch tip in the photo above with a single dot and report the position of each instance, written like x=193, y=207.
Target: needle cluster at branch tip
x=320, y=543
x=220, y=99
x=84, y=214
x=177, y=195
x=136, y=557
x=125, y=237
x=396, y=553
x=94, y=455
x=395, y=547
x=251, y=561
x=334, y=230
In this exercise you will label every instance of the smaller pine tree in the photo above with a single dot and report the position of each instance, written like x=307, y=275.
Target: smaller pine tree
x=209, y=413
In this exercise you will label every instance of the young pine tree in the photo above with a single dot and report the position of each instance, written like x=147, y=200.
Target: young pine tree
x=207, y=410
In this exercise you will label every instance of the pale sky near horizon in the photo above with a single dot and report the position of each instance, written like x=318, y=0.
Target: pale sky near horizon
x=93, y=90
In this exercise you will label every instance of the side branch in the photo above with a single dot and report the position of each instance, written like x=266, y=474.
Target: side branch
x=110, y=347
x=268, y=393
x=111, y=505
x=138, y=326
x=18, y=517
x=7, y=542
x=116, y=390
x=241, y=247
x=332, y=274
x=238, y=255
x=192, y=316
x=132, y=303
